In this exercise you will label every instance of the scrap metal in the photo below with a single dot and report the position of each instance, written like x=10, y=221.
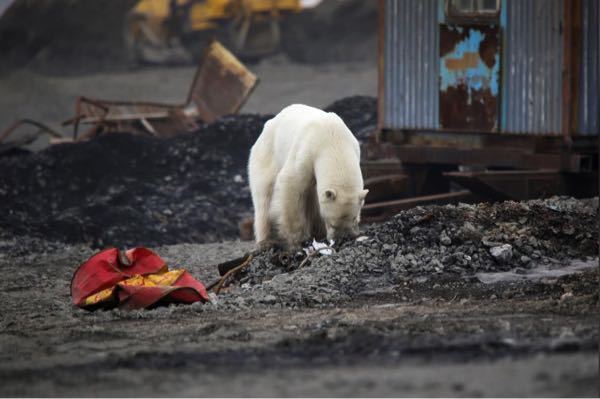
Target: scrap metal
x=220, y=87
x=28, y=139
x=381, y=211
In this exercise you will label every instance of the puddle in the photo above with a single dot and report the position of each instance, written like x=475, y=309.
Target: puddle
x=538, y=272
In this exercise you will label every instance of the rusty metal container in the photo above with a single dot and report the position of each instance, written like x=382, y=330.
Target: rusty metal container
x=502, y=76
x=532, y=75
x=411, y=63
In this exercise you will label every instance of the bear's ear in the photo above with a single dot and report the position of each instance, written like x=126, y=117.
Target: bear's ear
x=363, y=194
x=330, y=194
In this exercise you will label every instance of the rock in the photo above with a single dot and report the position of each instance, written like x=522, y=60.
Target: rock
x=502, y=253
x=269, y=299
x=444, y=239
x=566, y=296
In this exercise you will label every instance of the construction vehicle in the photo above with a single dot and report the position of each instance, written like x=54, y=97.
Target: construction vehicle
x=159, y=31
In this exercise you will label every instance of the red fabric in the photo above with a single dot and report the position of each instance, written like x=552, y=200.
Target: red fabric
x=104, y=270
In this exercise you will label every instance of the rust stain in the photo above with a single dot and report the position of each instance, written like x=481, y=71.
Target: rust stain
x=468, y=60
x=489, y=47
x=450, y=39
x=469, y=77
x=464, y=108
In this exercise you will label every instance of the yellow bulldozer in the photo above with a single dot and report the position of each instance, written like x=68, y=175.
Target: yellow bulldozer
x=160, y=31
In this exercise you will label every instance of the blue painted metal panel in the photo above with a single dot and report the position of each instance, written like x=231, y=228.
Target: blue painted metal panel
x=532, y=66
x=411, y=64
x=469, y=77
x=588, y=123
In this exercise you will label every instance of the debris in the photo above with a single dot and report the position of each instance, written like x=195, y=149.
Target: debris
x=136, y=279
x=379, y=211
x=396, y=253
x=6, y=146
x=231, y=273
x=321, y=247
x=219, y=72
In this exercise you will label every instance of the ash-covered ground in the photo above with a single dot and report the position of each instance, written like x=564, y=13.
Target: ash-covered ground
x=466, y=300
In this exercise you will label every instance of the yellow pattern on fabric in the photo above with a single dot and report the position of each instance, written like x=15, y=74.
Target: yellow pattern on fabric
x=163, y=278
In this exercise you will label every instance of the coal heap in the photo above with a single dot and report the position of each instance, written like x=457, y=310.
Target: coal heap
x=126, y=190
x=358, y=112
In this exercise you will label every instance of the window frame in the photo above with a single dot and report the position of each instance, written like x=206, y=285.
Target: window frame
x=477, y=16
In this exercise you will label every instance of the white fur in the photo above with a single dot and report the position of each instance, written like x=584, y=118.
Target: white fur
x=305, y=176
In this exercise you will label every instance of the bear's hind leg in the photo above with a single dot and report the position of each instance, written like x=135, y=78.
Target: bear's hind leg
x=289, y=206
x=261, y=187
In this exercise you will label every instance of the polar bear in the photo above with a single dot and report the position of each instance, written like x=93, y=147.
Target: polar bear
x=305, y=177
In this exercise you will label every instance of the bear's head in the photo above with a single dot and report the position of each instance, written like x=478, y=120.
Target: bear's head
x=340, y=210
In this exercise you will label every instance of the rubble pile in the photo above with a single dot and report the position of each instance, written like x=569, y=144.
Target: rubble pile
x=127, y=190
x=421, y=244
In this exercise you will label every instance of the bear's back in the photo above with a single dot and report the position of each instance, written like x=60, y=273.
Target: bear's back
x=300, y=125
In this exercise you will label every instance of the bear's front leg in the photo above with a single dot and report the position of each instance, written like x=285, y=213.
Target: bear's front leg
x=290, y=209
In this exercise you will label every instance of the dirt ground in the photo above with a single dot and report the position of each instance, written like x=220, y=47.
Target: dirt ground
x=336, y=327
x=467, y=300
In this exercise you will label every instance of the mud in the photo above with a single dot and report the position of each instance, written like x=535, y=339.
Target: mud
x=370, y=319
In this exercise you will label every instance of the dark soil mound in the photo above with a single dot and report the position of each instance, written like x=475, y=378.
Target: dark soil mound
x=125, y=190
x=359, y=113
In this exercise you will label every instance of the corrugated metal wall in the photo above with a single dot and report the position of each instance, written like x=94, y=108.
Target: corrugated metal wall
x=588, y=101
x=532, y=67
x=411, y=64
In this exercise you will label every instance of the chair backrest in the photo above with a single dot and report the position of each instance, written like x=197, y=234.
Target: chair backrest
x=221, y=85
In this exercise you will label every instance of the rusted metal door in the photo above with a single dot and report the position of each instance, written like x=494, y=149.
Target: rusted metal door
x=469, y=77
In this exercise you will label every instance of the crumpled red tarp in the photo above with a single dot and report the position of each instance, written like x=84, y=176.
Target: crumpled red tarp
x=139, y=279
